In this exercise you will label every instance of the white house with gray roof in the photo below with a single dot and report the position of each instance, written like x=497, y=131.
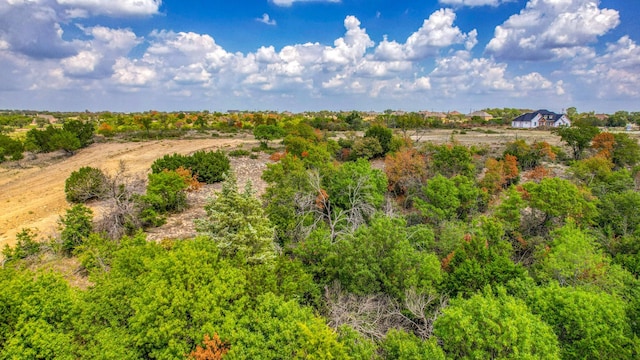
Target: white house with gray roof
x=540, y=118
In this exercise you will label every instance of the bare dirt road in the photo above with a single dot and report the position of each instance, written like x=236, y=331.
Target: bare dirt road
x=32, y=196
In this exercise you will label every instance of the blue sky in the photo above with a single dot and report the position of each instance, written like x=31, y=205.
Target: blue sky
x=297, y=55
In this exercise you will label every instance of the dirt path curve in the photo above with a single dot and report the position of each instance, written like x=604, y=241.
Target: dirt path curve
x=33, y=197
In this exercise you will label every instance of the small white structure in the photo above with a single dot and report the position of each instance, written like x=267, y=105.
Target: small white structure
x=540, y=118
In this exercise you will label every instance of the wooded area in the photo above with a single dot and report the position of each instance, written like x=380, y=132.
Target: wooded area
x=367, y=243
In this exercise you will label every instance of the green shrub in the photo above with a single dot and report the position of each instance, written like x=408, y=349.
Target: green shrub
x=239, y=152
x=266, y=133
x=166, y=192
x=366, y=148
x=77, y=226
x=52, y=139
x=210, y=167
x=169, y=162
x=10, y=148
x=83, y=131
x=26, y=245
x=383, y=135
x=85, y=184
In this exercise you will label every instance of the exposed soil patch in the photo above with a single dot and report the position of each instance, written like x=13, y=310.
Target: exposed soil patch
x=32, y=191
x=181, y=226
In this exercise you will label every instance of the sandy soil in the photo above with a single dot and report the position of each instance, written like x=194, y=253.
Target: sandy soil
x=32, y=192
x=496, y=138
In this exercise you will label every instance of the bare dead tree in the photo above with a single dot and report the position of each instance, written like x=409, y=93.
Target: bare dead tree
x=121, y=208
x=318, y=204
x=388, y=208
x=370, y=315
x=374, y=315
x=425, y=309
x=359, y=208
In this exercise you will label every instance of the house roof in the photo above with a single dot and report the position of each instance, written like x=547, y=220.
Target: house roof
x=483, y=114
x=433, y=114
x=544, y=113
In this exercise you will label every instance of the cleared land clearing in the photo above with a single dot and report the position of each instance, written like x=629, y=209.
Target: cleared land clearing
x=32, y=196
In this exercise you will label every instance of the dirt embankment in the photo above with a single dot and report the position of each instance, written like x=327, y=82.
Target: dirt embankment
x=32, y=194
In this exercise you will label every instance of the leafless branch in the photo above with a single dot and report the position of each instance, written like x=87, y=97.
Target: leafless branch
x=374, y=315
x=122, y=211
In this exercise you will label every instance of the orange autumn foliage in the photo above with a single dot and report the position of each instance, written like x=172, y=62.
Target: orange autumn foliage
x=510, y=168
x=603, y=143
x=523, y=192
x=538, y=173
x=345, y=154
x=545, y=150
x=321, y=199
x=447, y=260
x=492, y=180
x=404, y=169
x=189, y=178
x=523, y=243
x=277, y=156
x=500, y=173
x=318, y=134
x=104, y=127
x=214, y=349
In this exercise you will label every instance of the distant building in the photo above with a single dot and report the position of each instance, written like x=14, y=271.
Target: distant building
x=48, y=118
x=455, y=116
x=540, y=118
x=481, y=114
x=433, y=114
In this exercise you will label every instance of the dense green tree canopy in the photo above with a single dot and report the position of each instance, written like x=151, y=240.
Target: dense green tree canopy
x=589, y=325
x=332, y=262
x=578, y=137
x=266, y=133
x=494, y=326
x=380, y=258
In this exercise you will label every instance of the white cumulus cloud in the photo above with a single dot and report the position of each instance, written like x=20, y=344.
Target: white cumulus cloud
x=288, y=3
x=132, y=74
x=545, y=26
x=433, y=66
x=474, y=3
x=266, y=19
x=83, y=8
x=32, y=28
x=616, y=72
x=437, y=32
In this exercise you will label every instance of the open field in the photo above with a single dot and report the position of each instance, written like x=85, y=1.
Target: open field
x=32, y=194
